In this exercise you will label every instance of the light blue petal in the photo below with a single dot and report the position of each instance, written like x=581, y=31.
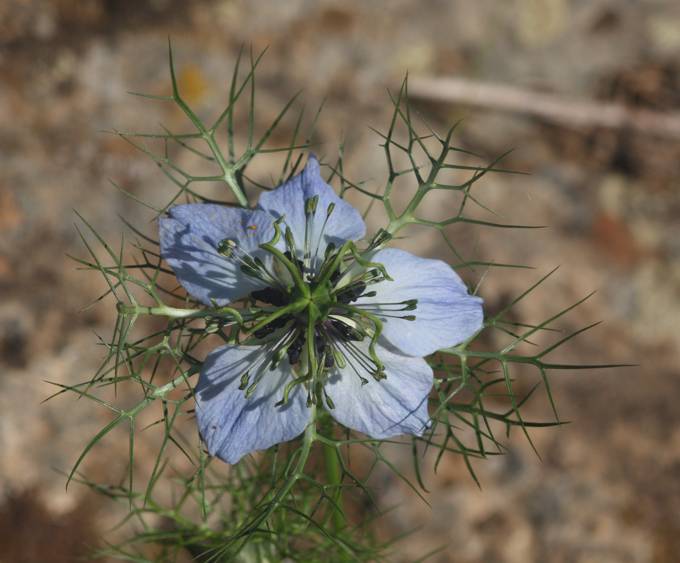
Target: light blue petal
x=446, y=314
x=231, y=425
x=345, y=222
x=381, y=409
x=189, y=236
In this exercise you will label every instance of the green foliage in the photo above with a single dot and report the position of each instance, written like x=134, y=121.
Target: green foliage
x=297, y=500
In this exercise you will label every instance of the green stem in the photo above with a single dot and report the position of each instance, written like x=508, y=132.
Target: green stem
x=227, y=170
x=161, y=311
x=308, y=440
x=209, y=137
x=177, y=313
x=334, y=479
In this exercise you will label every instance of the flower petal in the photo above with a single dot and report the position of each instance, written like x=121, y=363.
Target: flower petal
x=232, y=425
x=345, y=222
x=446, y=314
x=189, y=236
x=381, y=409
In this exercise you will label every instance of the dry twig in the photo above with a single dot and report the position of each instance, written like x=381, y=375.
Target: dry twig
x=558, y=109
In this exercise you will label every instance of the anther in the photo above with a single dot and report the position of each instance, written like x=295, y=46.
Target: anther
x=245, y=378
x=335, y=277
x=329, y=401
x=311, y=204
x=329, y=212
x=295, y=349
x=251, y=266
x=319, y=343
x=347, y=332
x=271, y=296
x=250, y=390
x=226, y=247
x=290, y=241
x=323, y=349
x=339, y=359
x=351, y=292
x=379, y=375
x=380, y=238
x=310, y=211
x=288, y=254
x=271, y=327
x=410, y=305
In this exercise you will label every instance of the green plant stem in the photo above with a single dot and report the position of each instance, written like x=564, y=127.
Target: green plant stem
x=228, y=171
x=177, y=313
x=308, y=440
x=160, y=311
x=334, y=480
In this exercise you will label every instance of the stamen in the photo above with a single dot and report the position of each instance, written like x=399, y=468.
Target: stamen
x=323, y=350
x=377, y=330
x=402, y=317
x=290, y=243
x=346, y=331
x=365, y=361
x=379, y=308
x=272, y=326
x=382, y=313
x=352, y=352
x=380, y=238
x=311, y=205
x=332, y=263
x=262, y=266
x=289, y=261
x=349, y=363
x=295, y=349
x=271, y=295
x=329, y=212
x=367, y=277
x=310, y=211
x=368, y=264
x=281, y=349
x=272, y=354
x=337, y=275
x=251, y=266
x=338, y=357
x=351, y=292
x=255, y=367
x=329, y=401
x=244, y=381
x=330, y=250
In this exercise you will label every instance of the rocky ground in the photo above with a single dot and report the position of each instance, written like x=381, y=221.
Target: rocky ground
x=606, y=488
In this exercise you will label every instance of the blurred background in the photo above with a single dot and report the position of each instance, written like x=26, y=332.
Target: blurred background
x=607, y=486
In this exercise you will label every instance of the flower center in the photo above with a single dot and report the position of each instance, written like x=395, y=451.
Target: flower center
x=318, y=304
x=308, y=311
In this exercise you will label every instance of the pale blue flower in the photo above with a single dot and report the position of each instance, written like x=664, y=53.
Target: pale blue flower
x=256, y=394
